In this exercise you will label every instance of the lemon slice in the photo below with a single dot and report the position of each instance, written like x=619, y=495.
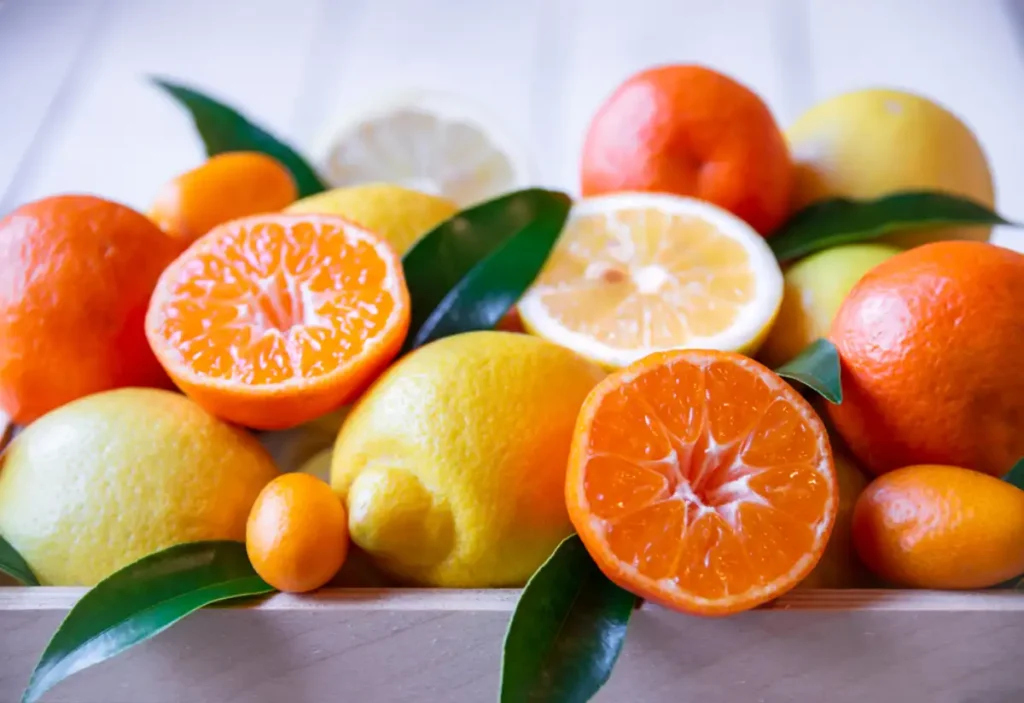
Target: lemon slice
x=431, y=142
x=636, y=273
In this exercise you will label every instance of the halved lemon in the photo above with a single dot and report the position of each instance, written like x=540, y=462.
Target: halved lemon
x=432, y=142
x=637, y=273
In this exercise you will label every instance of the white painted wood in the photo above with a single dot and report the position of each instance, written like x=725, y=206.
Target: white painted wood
x=377, y=646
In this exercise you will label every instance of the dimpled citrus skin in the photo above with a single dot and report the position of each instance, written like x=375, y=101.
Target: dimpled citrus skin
x=453, y=465
x=941, y=527
x=105, y=480
x=931, y=343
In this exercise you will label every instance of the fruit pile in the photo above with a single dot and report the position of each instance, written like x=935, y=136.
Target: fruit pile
x=149, y=361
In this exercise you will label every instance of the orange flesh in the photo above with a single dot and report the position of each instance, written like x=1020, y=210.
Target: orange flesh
x=707, y=479
x=272, y=302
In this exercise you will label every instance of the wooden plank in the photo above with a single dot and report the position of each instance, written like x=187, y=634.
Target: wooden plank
x=435, y=645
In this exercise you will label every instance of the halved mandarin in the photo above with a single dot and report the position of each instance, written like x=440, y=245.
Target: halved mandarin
x=636, y=273
x=702, y=481
x=274, y=320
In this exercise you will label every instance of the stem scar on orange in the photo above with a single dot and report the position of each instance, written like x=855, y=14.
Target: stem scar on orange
x=702, y=481
x=274, y=320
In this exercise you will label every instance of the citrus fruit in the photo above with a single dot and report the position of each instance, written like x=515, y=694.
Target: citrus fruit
x=274, y=320
x=76, y=278
x=108, y=479
x=635, y=273
x=814, y=288
x=453, y=464
x=932, y=526
x=398, y=214
x=226, y=187
x=702, y=481
x=930, y=343
x=870, y=143
x=432, y=142
x=691, y=131
x=297, y=535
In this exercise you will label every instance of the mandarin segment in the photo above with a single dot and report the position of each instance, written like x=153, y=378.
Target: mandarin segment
x=648, y=539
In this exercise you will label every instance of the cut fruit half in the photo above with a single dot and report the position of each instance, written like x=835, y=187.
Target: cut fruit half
x=274, y=320
x=637, y=273
x=702, y=481
x=431, y=142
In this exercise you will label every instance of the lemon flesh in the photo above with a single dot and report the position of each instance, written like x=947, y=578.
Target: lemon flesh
x=108, y=479
x=453, y=465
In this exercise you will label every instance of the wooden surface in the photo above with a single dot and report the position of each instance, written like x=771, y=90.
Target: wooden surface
x=444, y=646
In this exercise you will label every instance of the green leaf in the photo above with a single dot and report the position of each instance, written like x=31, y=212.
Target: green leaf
x=843, y=221
x=12, y=564
x=439, y=261
x=140, y=601
x=223, y=129
x=566, y=632
x=817, y=367
x=1015, y=476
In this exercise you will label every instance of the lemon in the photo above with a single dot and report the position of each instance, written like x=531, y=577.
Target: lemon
x=637, y=273
x=453, y=464
x=815, y=287
x=870, y=143
x=398, y=214
x=107, y=479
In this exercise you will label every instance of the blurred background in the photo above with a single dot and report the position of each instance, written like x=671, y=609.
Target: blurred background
x=79, y=115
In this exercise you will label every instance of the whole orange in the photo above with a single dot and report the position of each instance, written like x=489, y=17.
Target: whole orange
x=940, y=527
x=226, y=187
x=297, y=533
x=691, y=131
x=931, y=343
x=76, y=273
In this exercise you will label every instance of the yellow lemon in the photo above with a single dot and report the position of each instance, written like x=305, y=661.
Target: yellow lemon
x=870, y=143
x=815, y=287
x=452, y=466
x=398, y=214
x=107, y=479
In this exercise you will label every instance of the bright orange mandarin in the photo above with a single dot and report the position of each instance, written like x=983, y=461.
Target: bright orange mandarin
x=691, y=131
x=702, y=481
x=76, y=276
x=297, y=533
x=226, y=187
x=274, y=320
x=940, y=527
x=931, y=343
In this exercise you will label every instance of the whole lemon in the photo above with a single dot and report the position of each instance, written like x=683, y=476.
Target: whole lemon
x=398, y=214
x=870, y=143
x=453, y=465
x=107, y=479
x=814, y=288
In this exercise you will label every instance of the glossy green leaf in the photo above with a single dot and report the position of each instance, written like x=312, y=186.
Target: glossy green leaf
x=12, y=564
x=566, y=632
x=223, y=129
x=443, y=257
x=844, y=221
x=1015, y=476
x=817, y=367
x=140, y=601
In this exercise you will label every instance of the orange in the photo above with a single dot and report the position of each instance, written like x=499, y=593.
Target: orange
x=931, y=342
x=691, y=131
x=76, y=277
x=940, y=527
x=274, y=320
x=702, y=481
x=226, y=187
x=297, y=533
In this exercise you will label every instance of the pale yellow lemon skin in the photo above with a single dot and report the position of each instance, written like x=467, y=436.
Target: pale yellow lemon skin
x=814, y=288
x=452, y=465
x=398, y=214
x=110, y=478
x=871, y=143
